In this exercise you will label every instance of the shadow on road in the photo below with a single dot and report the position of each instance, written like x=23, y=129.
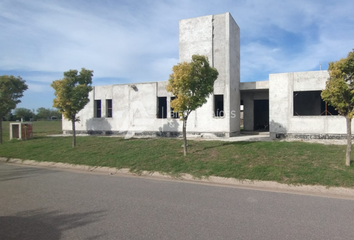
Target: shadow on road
x=21, y=172
x=40, y=224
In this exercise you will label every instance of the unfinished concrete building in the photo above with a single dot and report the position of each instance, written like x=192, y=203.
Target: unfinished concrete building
x=144, y=108
x=288, y=105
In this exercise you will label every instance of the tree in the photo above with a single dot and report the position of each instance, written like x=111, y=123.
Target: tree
x=11, y=90
x=191, y=84
x=339, y=93
x=23, y=113
x=43, y=113
x=47, y=113
x=55, y=114
x=9, y=117
x=71, y=94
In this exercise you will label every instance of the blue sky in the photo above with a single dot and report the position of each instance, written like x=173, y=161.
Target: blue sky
x=137, y=41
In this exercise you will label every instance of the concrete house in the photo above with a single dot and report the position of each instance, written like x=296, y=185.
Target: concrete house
x=288, y=105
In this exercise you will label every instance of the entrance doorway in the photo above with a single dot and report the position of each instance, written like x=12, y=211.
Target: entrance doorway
x=15, y=131
x=261, y=115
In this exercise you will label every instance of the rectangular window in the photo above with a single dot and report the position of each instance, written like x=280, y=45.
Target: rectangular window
x=218, y=105
x=97, y=108
x=174, y=114
x=310, y=103
x=109, y=108
x=161, y=107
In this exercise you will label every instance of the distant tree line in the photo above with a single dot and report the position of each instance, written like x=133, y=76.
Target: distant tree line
x=33, y=115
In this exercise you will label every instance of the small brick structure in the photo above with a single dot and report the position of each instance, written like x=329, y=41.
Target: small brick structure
x=21, y=130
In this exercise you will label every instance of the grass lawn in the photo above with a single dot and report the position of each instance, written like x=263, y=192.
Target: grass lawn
x=284, y=162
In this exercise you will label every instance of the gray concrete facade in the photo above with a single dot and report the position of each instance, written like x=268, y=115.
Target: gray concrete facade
x=136, y=108
x=217, y=37
x=288, y=105
x=312, y=121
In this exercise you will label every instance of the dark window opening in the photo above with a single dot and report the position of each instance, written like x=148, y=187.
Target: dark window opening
x=310, y=103
x=241, y=114
x=109, y=108
x=174, y=114
x=97, y=108
x=218, y=105
x=162, y=107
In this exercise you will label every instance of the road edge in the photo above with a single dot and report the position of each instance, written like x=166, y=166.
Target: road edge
x=314, y=190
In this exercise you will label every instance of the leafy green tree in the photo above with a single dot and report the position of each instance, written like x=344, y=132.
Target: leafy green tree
x=339, y=93
x=11, y=90
x=191, y=84
x=23, y=113
x=71, y=94
x=55, y=114
x=47, y=114
x=43, y=113
x=9, y=117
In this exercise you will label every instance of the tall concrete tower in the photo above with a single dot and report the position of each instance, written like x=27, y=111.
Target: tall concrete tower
x=217, y=37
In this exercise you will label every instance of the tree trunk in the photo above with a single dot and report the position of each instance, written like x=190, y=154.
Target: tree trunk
x=184, y=136
x=1, y=129
x=74, y=133
x=349, y=141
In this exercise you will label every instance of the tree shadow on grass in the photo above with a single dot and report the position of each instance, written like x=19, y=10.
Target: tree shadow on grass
x=42, y=224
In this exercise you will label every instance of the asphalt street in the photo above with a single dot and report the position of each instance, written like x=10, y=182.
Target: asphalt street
x=43, y=203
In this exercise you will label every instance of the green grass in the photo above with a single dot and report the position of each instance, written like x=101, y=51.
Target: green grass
x=284, y=162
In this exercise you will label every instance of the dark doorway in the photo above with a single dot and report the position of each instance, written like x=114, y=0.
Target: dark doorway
x=261, y=115
x=15, y=131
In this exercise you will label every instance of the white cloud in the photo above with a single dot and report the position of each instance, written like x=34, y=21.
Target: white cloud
x=55, y=38
x=38, y=88
x=138, y=40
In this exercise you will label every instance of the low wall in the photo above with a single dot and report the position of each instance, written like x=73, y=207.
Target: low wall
x=154, y=134
x=307, y=136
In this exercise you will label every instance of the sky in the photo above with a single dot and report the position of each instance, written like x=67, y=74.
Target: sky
x=127, y=41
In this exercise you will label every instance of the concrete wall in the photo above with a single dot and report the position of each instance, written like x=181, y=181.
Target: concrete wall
x=196, y=37
x=234, y=75
x=261, y=85
x=134, y=110
x=282, y=120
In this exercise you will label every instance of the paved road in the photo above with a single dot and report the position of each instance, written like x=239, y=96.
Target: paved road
x=39, y=203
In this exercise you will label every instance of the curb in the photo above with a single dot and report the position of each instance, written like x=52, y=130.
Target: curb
x=315, y=190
